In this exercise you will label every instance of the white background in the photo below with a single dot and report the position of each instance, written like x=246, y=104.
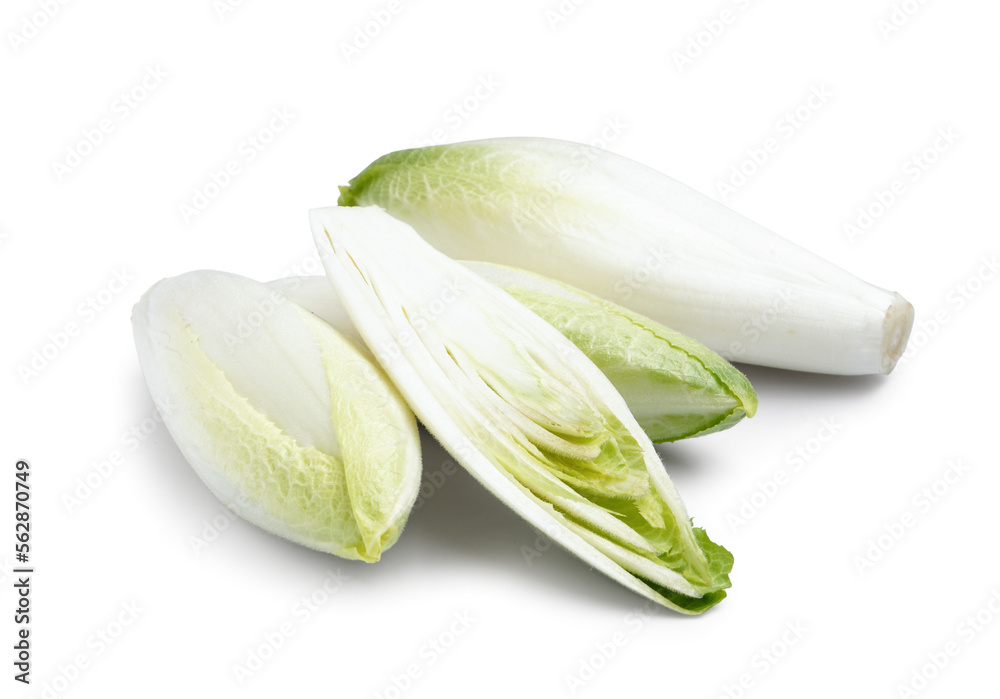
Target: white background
x=532, y=623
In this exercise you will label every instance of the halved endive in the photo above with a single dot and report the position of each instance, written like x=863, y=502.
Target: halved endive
x=674, y=386
x=634, y=236
x=520, y=407
x=286, y=421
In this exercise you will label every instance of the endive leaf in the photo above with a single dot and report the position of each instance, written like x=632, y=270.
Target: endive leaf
x=674, y=386
x=520, y=407
x=634, y=236
x=285, y=420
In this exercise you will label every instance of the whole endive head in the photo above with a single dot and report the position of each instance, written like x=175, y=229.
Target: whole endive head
x=284, y=419
x=631, y=235
x=519, y=406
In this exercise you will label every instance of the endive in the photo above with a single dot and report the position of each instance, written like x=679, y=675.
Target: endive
x=284, y=419
x=631, y=235
x=520, y=407
x=674, y=386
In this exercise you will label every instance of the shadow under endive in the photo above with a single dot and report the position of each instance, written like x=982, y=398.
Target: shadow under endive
x=770, y=382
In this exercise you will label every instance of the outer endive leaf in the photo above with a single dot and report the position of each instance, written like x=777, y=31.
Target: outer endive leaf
x=520, y=407
x=634, y=236
x=674, y=386
x=285, y=420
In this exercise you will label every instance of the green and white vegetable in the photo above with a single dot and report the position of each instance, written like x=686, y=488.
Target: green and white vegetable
x=520, y=407
x=634, y=236
x=674, y=386
x=285, y=420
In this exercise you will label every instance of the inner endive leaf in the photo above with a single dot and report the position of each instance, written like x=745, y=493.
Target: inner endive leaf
x=520, y=407
x=289, y=423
